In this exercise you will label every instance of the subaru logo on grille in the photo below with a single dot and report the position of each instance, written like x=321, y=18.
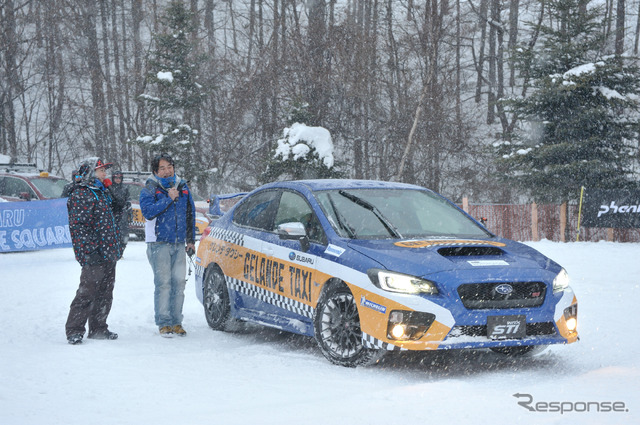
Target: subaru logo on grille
x=504, y=289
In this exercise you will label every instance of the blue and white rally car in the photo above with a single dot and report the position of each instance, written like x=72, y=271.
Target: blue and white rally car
x=367, y=267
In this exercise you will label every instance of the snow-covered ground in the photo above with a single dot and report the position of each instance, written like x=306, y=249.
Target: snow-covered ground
x=261, y=376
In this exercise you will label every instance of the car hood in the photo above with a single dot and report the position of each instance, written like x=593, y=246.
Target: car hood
x=424, y=257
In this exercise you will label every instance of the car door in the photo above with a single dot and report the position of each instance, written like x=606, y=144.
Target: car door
x=297, y=264
x=251, y=288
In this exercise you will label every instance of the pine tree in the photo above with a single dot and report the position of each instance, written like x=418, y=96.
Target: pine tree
x=296, y=158
x=579, y=126
x=173, y=95
x=296, y=155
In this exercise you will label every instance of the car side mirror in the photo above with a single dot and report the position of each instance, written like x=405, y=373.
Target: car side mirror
x=25, y=195
x=294, y=231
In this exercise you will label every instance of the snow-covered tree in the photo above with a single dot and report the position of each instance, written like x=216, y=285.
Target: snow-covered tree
x=173, y=95
x=579, y=125
x=302, y=153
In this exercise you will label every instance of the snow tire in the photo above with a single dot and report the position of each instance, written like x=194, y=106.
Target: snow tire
x=337, y=329
x=217, y=307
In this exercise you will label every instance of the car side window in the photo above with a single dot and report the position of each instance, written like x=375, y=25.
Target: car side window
x=294, y=208
x=258, y=211
x=14, y=187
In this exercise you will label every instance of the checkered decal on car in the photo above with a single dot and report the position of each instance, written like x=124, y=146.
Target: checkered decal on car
x=270, y=297
x=371, y=342
x=228, y=236
x=199, y=269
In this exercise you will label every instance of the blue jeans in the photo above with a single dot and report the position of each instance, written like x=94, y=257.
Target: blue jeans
x=169, y=264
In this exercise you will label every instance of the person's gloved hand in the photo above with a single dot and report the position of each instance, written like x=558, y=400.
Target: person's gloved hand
x=190, y=251
x=107, y=182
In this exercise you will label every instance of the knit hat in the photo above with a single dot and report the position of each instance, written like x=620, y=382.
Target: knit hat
x=87, y=168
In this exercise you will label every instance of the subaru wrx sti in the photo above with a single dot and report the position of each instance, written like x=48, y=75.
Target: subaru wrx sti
x=367, y=267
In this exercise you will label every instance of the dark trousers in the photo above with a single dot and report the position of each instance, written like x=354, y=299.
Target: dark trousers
x=93, y=299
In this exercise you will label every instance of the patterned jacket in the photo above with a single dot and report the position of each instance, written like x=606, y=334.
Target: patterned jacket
x=175, y=222
x=94, y=232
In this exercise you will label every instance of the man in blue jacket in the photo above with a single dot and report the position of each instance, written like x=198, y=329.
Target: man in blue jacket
x=167, y=205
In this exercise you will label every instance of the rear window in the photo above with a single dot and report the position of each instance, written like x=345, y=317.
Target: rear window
x=258, y=210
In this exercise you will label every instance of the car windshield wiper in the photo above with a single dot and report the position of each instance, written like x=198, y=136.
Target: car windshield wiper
x=341, y=222
x=365, y=204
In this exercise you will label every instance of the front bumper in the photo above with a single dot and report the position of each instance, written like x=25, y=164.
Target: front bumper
x=470, y=330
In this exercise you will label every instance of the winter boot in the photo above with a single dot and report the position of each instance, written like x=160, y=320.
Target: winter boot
x=166, y=331
x=107, y=334
x=74, y=339
x=179, y=330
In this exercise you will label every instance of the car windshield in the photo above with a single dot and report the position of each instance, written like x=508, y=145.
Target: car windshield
x=50, y=188
x=395, y=213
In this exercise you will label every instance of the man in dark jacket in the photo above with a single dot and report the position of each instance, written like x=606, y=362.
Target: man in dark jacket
x=121, y=206
x=167, y=205
x=96, y=244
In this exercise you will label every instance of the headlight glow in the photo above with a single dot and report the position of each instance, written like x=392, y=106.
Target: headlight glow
x=572, y=324
x=561, y=282
x=407, y=325
x=397, y=331
x=397, y=282
x=571, y=317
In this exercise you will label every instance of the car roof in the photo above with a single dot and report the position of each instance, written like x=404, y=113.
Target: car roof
x=229, y=195
x=129, y=176
x=29, y=176
x=336, y=184
x=26, y=170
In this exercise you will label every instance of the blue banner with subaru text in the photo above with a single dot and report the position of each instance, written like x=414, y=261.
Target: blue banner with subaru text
x=33, y=225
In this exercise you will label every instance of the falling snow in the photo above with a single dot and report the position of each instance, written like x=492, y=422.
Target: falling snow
x=262, y=376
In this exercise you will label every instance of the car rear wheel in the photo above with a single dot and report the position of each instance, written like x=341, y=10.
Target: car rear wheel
x=337, y=329
x=217, y=308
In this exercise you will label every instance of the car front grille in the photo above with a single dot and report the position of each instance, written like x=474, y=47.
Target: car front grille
x=533, y=329
x=477, y=296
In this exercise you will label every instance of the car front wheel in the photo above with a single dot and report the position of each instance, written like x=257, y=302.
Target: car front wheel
x=217, y=308
x=337, y=329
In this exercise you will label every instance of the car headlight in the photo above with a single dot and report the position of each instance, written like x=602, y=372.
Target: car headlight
x=561, y=282
x=398, y=282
